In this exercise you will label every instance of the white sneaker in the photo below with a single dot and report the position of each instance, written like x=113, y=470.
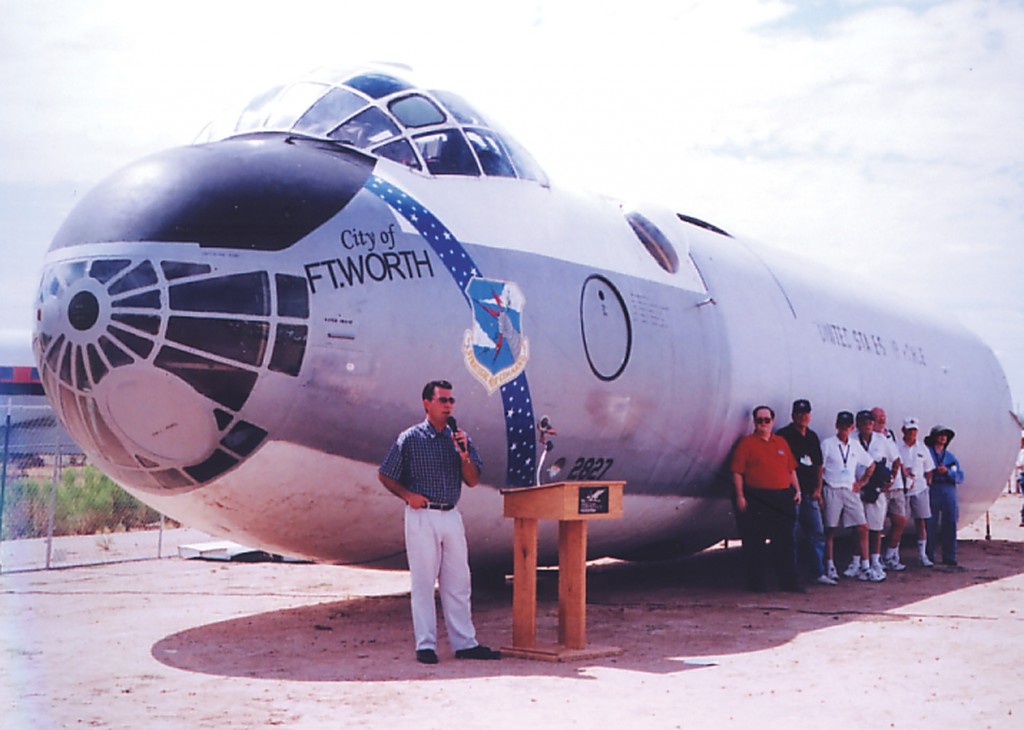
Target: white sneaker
x=924, y=562
x=854, y=570
x=873, y=574
x=893, y=563
x=832, y=574
x=827, y=580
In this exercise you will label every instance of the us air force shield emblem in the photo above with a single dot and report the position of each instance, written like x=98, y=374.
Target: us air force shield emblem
x=496, y=350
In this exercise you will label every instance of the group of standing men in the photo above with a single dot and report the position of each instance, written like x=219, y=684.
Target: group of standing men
x=782, y=480
x=794, y=490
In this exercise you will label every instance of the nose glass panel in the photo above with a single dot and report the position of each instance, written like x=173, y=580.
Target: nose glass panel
x=150, y=363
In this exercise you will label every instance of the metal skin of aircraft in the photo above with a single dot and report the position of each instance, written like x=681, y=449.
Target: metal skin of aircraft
x=237, y=330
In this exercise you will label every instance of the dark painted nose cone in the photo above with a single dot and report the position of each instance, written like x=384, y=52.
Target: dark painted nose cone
x=83, y=311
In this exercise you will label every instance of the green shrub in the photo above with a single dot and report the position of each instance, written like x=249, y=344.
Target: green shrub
x=87, y=502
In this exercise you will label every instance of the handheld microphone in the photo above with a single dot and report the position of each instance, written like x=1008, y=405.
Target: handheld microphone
x=455, y=427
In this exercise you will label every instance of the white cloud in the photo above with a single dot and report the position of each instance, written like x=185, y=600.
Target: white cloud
x=889, y=129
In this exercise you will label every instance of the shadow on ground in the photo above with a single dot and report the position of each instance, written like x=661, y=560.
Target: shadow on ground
x=668, y=616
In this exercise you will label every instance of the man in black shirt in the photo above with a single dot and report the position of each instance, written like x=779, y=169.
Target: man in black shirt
x=806, y=448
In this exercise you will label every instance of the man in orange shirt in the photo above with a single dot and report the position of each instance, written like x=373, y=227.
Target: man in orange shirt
x=767, y=495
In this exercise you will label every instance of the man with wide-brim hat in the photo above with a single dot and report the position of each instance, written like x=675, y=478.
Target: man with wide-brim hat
x=936, y=430
x=942, y=493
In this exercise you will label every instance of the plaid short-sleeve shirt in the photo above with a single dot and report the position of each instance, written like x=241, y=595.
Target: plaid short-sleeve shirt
x=424, y=460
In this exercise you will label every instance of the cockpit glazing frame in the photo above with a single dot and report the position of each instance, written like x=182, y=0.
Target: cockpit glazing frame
x=379, y=112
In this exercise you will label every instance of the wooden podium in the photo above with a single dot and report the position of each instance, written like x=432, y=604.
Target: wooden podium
x=573, y=504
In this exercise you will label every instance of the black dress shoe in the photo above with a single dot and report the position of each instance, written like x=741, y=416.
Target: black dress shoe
x=478, y=652
x=426, y=656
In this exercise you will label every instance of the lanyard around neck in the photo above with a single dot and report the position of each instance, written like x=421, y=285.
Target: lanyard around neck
x=845, y=457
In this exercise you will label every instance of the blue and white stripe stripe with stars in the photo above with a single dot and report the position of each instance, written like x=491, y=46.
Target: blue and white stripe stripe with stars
x=515, y=395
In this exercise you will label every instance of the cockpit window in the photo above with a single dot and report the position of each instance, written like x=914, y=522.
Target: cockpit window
x=489, y=151
x=460, y=108
x=447, y=153
x=399, y=151
x=435, y=132
x=377, y=85
x=526, y=166
x=366, y=128
x=293, y=103
x=323, y=116
x=256, y=113
x=416, y=111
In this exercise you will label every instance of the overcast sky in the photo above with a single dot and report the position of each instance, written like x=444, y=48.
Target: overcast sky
x=886, y=136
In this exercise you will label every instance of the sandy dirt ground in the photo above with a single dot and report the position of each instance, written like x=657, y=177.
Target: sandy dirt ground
x=193, y=644
x=78, y=550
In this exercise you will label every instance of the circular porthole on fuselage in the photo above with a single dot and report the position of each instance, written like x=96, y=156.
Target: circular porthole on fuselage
x=607, y=332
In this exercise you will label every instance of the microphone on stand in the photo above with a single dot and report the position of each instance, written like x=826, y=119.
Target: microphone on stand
x=546, y=429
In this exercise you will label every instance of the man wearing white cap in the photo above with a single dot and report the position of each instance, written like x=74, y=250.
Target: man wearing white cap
x=896, y=506
x=917, y=467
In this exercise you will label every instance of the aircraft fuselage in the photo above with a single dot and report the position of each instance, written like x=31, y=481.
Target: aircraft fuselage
x=237, y=331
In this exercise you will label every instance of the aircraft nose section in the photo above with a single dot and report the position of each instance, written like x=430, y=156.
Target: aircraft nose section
x=153, y=365
x=154, y=335
x=261, y=193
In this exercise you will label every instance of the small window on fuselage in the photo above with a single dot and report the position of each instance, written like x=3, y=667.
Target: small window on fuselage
x=655, y=242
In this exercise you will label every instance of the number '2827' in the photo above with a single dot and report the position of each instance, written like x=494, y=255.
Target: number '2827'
x=588, y=469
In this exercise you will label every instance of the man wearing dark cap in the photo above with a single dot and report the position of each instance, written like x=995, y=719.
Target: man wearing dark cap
x=942, y=493
x=806, y=448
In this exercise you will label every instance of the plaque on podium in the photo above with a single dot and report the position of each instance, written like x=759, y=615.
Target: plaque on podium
x=573, y=505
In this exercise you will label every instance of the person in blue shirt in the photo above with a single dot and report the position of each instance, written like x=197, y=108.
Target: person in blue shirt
x=426, y=467
x=1020, y=477
x=942, y=492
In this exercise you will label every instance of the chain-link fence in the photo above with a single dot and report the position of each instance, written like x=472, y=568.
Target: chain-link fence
x=57, y=510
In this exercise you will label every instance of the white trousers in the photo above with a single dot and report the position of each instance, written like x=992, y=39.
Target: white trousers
x=435, y=545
